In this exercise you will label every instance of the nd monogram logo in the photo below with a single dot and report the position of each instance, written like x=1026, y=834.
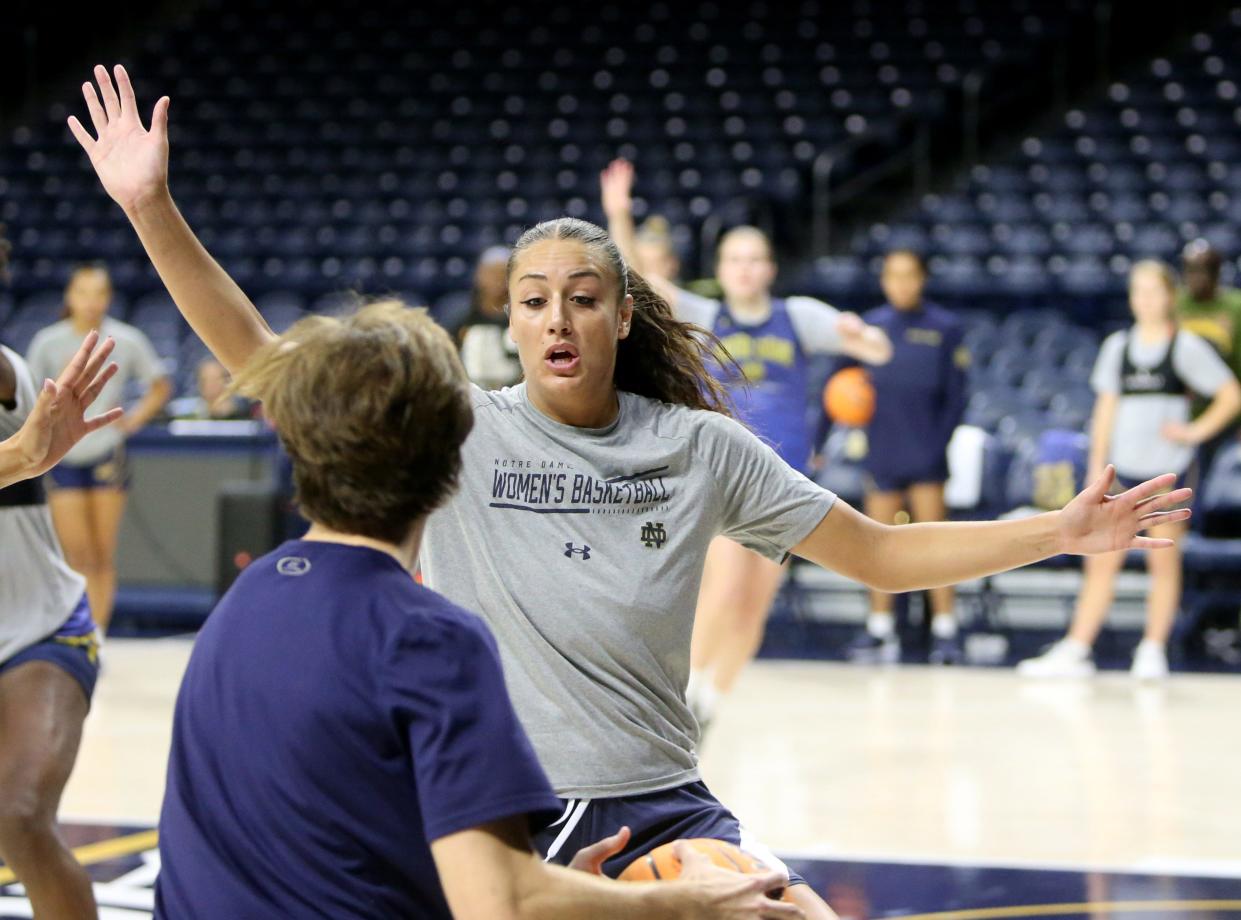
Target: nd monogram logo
x=653, y=535
x=570, y=551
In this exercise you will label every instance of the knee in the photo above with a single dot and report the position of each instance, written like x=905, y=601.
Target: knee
x=23, y=816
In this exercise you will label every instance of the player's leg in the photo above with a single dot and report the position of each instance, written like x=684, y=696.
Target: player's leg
x=107, y=507
x=737, y=590
x=926, y=503
x=755, y=582
x=1162, y=602
x=878, y=641
x=42, y=710
x=1070, y=657
x=813, y=906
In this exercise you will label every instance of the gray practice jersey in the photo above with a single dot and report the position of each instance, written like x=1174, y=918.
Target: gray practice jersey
x=38, y=591
x=1137, y=448
x=583, y=550
x=135, y=358
x=813, y=321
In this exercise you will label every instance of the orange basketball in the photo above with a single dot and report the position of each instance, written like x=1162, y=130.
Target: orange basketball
x=849, y=397
x=661, y=864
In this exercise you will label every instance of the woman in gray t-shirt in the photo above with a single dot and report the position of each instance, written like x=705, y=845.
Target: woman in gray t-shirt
x=1144, y=380
x=90, y=483
x=588, y=499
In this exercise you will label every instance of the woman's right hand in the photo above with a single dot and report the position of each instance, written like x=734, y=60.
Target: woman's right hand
x=726, y=895
x=616, y=186
x=131, y=162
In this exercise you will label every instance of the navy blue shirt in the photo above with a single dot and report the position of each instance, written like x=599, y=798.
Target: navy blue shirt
x=920, y=394
x=335, y=718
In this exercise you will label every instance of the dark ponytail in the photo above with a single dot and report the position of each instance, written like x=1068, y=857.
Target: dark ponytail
x=662, y=358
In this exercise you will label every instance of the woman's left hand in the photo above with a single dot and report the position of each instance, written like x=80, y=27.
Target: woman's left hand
x=1180, y=433
x=850, y=325
x=1095, y=522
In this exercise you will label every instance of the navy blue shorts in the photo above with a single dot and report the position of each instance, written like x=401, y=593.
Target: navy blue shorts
x=655, y=818
x=899, y=482
x=74, y=649
x=112, y=472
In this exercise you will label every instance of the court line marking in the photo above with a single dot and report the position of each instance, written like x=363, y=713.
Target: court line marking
x=1186, y=868
x=1097, y=907
x=101, y=851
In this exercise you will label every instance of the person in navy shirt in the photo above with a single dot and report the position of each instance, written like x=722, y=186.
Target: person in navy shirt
x=343, y=741
x=920, y=398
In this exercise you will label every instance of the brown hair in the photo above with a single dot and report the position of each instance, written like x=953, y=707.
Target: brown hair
x=746, y=230
x=662, y=358
x=78, y=271
x=373, y=408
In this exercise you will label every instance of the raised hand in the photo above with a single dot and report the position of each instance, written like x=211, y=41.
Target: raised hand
x=616, y=185
x=58, y=419
x=1095, y=522
x=131, y=162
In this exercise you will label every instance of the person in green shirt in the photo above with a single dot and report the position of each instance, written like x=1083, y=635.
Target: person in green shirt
x=1208, y=308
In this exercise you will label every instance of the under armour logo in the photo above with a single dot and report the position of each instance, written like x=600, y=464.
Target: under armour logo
x=570, y=551
x=293, y=565
x=653, y=535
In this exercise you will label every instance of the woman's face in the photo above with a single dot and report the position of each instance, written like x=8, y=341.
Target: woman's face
x=745, y=269
x=567, y=317
x=88, y=295
x=659, y=260
x=491, y=282
x=902, y=281
x=1149, y=297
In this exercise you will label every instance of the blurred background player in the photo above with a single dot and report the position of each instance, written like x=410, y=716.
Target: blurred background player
x=1213, y=311
x=213, y=400
x=48, y=647
x=88, y=498
x=1144, y=378
x=1205, y=306
x=769, y=338
x=920, y=398
x=487, y=350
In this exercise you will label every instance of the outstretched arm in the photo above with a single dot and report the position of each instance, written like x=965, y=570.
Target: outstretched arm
x=862, y=341
x=912, y=557
x=132, y=164
x=616, y=186
x=490, y=873
x=58, y=419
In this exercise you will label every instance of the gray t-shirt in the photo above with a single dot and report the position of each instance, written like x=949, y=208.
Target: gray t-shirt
x=1137, y=449
x=135, y=357
x=38, y=590
x=583, y=550
x=813, y=321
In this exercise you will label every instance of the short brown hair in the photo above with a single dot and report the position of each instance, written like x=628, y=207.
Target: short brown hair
x=373, y=408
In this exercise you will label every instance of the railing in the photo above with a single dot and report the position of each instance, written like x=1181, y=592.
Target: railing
x=986, y=102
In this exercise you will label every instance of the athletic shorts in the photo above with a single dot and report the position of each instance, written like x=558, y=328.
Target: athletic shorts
x=936, y=472
x=655, y=818
x=74, y=648
x=112, y=472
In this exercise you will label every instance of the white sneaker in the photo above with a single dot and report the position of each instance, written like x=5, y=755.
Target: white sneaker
x=1150, y=662
x=1064, y=659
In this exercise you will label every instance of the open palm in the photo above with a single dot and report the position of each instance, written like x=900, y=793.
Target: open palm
x=132, y=162
x=1095, y=522
x=58, y=419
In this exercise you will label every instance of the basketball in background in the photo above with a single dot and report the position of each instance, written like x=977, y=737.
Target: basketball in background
x=849, y=397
